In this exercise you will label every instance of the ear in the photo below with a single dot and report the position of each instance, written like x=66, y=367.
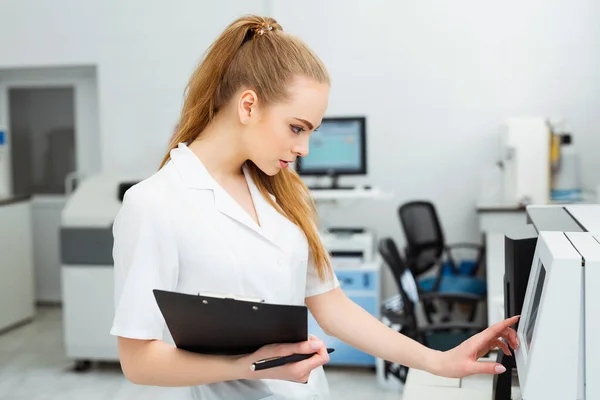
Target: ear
x=247, y=106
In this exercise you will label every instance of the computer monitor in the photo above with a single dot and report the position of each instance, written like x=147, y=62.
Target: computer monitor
x=337, y=147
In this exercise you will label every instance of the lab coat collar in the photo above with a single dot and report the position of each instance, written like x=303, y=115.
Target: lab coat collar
x=191, y=169
x=196, y=177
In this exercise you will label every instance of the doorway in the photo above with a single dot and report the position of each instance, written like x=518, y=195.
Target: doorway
x=42, y=126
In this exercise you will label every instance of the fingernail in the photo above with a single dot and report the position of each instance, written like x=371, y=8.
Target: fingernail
x=315, y=345
x=500, y=369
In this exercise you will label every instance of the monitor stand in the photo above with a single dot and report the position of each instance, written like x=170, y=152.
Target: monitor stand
x=336, y=186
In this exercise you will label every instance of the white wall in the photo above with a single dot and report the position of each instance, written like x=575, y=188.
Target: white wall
x=144, y=51
x=435, y=79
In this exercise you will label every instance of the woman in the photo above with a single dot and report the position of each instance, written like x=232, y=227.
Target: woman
x=225, y=214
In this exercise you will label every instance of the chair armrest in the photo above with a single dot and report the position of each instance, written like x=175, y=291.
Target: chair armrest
x=395, y=317
x=459, y=297
x=452, y=326
x=478, y=248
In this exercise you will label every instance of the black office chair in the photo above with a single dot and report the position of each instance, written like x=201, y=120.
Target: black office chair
x=401, y=310
x=426, y=249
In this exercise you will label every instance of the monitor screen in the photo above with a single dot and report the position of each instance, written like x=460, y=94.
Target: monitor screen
x=535, y=305
x=337, y=147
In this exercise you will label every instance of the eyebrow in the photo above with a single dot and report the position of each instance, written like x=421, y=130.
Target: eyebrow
x=310, y=126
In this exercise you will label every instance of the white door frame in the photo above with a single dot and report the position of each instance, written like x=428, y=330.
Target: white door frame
x=83, y=82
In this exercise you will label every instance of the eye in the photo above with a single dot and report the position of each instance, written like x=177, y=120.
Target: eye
x=296, y=129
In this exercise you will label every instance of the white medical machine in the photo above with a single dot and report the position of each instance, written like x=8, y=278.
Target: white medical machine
x=559, y=356
x=552, y=279
x=87, y=268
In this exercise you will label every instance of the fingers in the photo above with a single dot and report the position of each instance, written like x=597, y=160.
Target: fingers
x=502, y=345
x=322, y=350
x=484, y=367
x=502, y=328
x=510, y=335
x=320, y=358
x=487, y=368
x=296, y=371
x=307, y=347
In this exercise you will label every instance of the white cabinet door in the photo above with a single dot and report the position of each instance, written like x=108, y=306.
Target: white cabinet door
x=16, y=264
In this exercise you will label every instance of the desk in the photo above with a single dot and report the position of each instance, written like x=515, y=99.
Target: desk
x=359, y=193
x=499, y=217
x=423, y=385
x=494, y=260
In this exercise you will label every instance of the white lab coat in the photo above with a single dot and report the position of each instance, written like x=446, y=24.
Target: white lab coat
x=179, y=230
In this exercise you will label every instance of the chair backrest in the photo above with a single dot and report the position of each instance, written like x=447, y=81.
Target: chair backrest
x=423, y=233
x=407, y=287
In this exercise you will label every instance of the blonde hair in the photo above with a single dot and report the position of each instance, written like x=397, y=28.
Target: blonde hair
x=254, y=52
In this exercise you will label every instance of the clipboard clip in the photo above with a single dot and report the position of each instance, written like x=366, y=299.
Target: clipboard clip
x=231, y=296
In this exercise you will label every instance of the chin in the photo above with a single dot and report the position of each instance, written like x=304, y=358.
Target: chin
x=268, y=170
x=272, y=172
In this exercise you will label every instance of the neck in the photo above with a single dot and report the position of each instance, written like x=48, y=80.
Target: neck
x=220, y=149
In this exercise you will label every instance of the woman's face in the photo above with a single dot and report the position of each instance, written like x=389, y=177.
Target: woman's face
x=275, y=135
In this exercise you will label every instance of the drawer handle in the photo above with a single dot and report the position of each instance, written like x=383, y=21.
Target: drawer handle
x=347, y=281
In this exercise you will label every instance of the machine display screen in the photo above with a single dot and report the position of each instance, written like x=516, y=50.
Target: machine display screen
x=535, y=304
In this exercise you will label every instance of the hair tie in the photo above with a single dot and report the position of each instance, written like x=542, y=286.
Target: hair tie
x=261, y=28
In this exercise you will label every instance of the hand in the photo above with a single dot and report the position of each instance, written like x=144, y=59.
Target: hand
x=462, y=361
x=296, y=372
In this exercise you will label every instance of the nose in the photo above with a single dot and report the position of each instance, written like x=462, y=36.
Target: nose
x=301, y=148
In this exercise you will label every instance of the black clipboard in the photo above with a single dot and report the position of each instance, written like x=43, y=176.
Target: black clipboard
x=226, y=326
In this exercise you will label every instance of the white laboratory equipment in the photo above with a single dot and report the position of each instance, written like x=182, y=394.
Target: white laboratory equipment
x=87, y=268
x=525, y=160
x=560, y=324
x=552, y=269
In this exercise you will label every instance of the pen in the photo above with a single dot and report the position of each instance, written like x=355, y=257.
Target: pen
x=279, y=361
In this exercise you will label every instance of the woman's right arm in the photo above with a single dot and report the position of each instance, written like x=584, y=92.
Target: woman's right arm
x=156, y=363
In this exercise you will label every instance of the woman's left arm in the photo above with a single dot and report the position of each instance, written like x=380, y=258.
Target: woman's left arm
x=340, y=317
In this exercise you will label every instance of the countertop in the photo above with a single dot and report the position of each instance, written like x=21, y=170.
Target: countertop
x=4, y=201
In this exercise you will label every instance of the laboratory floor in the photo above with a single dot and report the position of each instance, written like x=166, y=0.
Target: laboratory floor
x=33, y=366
